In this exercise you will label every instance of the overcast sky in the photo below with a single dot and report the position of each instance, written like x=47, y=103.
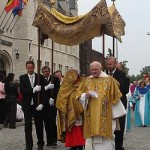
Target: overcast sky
x=135, y=47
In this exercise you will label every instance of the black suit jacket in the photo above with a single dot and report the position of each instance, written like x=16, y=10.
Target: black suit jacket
x=53, y=92
x=120, y=76
x=27, y=91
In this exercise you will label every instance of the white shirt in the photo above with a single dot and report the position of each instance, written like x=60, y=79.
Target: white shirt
x=32, y=80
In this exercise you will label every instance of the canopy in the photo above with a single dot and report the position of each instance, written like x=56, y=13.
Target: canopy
x=74, y=30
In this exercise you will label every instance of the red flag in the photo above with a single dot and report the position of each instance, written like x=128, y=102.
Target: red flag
x=11, y=4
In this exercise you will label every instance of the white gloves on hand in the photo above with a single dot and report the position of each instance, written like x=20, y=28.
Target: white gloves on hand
x=51, y=102
x=93, y=94
x=49, y=86
x=39, y=107
x=37, y=88
x=84, y=101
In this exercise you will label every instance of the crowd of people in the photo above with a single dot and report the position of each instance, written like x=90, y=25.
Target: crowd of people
x=82, y=112
x=139, y=102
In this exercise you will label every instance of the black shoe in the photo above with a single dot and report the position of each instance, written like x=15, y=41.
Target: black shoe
x=40, y=148
x=6, y=125
x=54, y=145
x=12, y=127
x=28, y=149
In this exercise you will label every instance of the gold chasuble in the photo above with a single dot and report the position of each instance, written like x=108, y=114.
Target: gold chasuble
x=98, y=114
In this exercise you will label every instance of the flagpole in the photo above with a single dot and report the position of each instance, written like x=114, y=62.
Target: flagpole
x=14, y=24
x=3, y=19
x=11, y=23
x=2, y=13
x=7, y=21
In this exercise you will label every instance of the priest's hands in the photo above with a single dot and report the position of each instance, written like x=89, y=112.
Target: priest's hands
x=92, y=94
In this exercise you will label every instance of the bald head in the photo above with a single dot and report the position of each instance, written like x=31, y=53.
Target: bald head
x=95, y=68
x=111, y=64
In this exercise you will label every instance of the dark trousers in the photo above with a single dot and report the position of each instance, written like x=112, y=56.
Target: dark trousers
x=11, y=114
x=3, y=110
x=38, y=120
x=49, y=115
x=119, y=134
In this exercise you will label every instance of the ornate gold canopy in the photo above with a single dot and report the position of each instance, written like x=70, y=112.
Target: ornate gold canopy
x=74, y=30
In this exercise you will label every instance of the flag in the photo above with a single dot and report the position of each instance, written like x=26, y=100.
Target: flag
x=18, y=10
x=11, y=4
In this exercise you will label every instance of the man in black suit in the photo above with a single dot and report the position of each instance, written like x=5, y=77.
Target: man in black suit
x=30, y=89
x=49, y=110
x=120, y=76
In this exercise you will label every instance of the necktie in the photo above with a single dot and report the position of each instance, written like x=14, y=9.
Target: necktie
x=32, y=81
x=32, y=85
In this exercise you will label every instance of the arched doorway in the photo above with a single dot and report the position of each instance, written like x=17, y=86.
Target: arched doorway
x=2, y=69
x=5, y=62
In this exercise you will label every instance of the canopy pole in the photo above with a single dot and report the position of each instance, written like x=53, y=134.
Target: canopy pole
x=52, y=69
x=103, y=48
x=113, y=46
x=38, y=65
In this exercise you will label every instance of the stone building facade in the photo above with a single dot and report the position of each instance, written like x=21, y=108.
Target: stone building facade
x=22, y=39
x=87, y=55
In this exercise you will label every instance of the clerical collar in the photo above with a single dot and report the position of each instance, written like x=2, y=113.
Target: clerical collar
x=102, y=74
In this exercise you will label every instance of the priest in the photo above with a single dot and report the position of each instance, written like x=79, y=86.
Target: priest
x=100, y=96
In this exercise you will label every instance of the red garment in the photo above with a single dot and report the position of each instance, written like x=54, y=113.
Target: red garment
x=20, y=97
x=75, y=137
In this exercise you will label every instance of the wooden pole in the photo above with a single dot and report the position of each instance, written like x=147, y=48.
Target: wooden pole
x=39, y=64
x=52, y=68
x=103, y=47
x=113, y=47
x=117, y=49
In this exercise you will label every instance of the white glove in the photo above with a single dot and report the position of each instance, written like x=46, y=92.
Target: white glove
x=49, y=86
x=93, y=94
x=84, y=101
x=37, y=88
x=39, y=107
x=51, y=102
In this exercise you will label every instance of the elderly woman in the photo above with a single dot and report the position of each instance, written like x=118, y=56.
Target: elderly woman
x=142, y=108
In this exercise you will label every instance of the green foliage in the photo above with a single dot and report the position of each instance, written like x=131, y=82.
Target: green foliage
x=135, y=78
x=109, y=53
